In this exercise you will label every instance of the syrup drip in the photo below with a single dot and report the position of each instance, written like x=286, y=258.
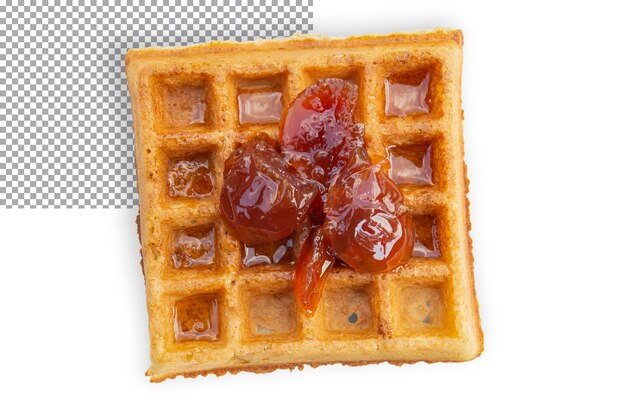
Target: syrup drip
x=407, y=95
x=426, y=238
x=404, y=171
x=196, y=318
x=194, y=248
x=190, y=178
x=260, y=107
x=273, y=253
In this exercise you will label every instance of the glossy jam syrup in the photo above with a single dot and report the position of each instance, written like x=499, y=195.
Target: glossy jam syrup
x=312, y=267
x=261, y=107
x=262, y=200
x=197, y=318
x=410, y=164
x=318, y=133
x=426, y=237
x=194, y=248
x=190, y=177
x=260, y=100
x=408, y=93
x=369, y=227
x=272, y=253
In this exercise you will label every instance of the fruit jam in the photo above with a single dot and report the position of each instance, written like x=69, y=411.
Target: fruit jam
x=320, y=182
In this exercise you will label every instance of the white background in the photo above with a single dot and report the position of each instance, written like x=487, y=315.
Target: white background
x=544, y=98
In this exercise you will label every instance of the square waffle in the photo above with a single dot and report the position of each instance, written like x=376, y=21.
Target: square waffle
x=212, y=314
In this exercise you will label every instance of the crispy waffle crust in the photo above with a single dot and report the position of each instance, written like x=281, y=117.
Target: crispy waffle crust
x=424, y=311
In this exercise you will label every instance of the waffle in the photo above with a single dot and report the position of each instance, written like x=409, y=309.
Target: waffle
x=212, y=314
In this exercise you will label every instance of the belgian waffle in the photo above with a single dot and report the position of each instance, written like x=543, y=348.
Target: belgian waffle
x=218, y=315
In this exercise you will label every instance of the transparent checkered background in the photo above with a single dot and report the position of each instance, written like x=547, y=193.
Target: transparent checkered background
x=65, y=123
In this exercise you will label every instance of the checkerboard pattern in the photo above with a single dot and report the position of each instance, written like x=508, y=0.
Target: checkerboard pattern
x=66, y=135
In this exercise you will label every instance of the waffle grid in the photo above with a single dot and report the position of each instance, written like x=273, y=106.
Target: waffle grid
x=317, y=339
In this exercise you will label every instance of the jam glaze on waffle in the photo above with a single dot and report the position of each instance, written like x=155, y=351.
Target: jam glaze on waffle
x=210, y=313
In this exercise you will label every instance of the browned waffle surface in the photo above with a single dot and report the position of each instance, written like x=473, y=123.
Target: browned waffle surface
x=228, y=308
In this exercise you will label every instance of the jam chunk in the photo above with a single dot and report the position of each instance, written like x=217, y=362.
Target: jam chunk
x=369, y=227
x=190, y=177
x=318, y=133
x=262, y=201
x=323, y=178
x=314, y=263
x=196, y=318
